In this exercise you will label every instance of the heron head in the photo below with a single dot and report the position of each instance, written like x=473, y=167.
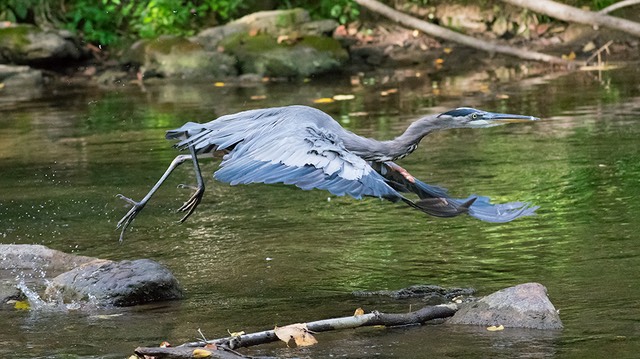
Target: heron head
x=467, y=117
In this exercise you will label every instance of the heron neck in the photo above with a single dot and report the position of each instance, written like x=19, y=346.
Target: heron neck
x=374, y=150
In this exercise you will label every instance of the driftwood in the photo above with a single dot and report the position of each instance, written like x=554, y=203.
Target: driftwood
x=227, y=345
x=619, y=5
x=443, y=33
x=572, y=14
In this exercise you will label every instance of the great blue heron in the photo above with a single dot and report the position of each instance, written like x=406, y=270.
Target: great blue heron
x=305, y=147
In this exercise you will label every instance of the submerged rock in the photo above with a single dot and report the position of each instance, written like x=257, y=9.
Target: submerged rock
x=431, y=294
x=123, y=283
x=523, y=306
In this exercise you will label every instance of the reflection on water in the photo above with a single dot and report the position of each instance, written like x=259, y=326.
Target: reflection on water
x=255, y=256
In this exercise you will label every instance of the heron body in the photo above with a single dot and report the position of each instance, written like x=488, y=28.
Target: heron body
x=305, y=147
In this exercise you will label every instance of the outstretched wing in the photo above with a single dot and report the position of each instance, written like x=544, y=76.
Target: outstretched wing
x=436, y=201
x=307, y=157
x=295, y=145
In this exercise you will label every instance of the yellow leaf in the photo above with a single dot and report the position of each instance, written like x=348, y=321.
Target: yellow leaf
x=439, y=61
x=235, y=334
x=447, y=50
x=493, y=328
x=258, y=97
x=201, y=353
x=323, y=100
x=219, y=84
x=298, y=332
x=22, y=305
x=571, y=56
x=358, y=312
x=165, y=344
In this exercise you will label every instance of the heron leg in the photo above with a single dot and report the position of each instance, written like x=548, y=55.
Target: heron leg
x=395, y=167
x=190, y=205
x=138, y=206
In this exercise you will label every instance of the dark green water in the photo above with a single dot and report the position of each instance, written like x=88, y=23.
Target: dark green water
x=252, y=257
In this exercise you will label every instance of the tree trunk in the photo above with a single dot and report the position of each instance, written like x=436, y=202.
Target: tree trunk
x=443, y=33
x=572, y=14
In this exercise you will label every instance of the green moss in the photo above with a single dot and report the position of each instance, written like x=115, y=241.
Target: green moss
x=168, y=44
x=16, y=37
x=242, y=42
x=290, y=18
x=326, y=44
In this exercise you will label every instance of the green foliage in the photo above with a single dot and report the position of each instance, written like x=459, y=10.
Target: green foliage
x=15, y=10
x=107, y=20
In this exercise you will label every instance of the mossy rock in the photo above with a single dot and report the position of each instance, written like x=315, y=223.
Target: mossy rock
x=177, y=57
x=262, y=54
x=27, y=44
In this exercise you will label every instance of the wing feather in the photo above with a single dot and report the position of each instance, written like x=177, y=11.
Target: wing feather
x=308, y=157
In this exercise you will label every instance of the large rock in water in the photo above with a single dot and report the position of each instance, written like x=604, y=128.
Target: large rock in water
x=28, y=45
x=177, y=57
x=279, y=43
x=523, y=306
x=123, y=283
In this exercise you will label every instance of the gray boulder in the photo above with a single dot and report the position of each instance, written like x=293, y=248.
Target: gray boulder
x=523, y=306
x=123, y=283
x=28, y=45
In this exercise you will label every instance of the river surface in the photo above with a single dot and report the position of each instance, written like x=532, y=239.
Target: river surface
x=256, y=256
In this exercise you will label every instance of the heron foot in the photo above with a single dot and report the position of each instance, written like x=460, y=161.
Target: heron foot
x=190, y=205
x=130, y=216
x=188, y=186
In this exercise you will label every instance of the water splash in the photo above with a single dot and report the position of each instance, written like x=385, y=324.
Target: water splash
x=54, y=301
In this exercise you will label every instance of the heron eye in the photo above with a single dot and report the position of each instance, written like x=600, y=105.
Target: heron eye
x=474, y=116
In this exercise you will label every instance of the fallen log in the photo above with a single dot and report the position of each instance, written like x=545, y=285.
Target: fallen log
x=572, y=14
x=226, y=346
x=444, y=33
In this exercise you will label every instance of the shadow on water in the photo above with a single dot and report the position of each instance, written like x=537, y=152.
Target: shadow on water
x=257, y=256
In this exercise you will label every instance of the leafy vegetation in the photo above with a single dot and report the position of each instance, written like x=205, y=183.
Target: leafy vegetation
x=108, y=21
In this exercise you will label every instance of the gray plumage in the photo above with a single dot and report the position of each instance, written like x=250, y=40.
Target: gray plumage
x=304, y=146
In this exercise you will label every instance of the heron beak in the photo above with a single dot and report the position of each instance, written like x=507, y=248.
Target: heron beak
x=503, y=118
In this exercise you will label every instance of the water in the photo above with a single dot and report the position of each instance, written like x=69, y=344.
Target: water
x=256, y=256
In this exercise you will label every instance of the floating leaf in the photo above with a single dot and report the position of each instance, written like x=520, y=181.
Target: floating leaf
x=343, y=97
x=439, y=61
x=298, y=332
x=570, y=56
x=22, y=305
x=358, y=312
x=323, y=100
x=258, y=97
x=219, y=84
x=447, y=50
x=493, y=328
x=388, y=92
x=201, y=353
